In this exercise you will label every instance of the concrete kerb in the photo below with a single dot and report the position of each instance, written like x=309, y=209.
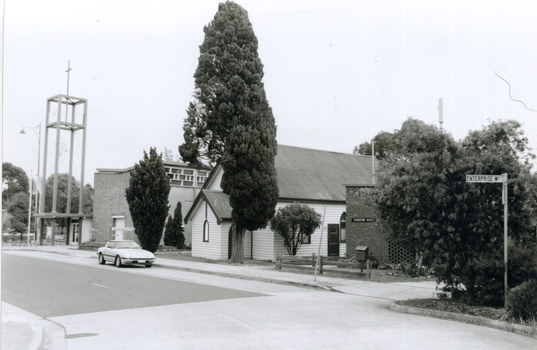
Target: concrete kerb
x=476, y=320
x=249, y=278
x=21, y=329
x=15, y=335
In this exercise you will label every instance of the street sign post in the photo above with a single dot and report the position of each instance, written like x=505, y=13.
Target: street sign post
x=484, y=178
x=497, y=179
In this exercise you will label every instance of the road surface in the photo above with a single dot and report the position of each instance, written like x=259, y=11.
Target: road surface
x=102, y=307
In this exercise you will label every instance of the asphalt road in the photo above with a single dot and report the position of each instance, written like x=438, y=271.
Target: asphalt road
x=50, y=289
x=103, y=307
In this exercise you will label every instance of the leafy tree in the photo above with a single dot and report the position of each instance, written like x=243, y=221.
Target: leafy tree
x=423, y=196
x=414, y=137
x=230, y=120
x=169, y=156
x=87, y=202
x=62, y=196
x=6, y=222
x=14, y=180
x=173, y=234
x=147, y=196
x=383, y=145
x=294, y=222
x=18, y=209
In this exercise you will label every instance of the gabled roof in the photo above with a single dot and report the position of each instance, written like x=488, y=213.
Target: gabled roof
x=308, y=175
x=218, y=202
x=305, y=173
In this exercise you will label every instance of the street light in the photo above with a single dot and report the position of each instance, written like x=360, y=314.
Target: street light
x=30, y=209
x=37, y=201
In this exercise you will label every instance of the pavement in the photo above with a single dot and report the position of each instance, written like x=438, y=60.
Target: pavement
x=23, y=330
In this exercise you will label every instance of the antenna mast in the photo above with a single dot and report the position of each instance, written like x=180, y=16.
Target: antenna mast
x=441, y=112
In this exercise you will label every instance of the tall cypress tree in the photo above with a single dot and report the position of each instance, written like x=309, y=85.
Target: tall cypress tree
x=250, y=181
x=231, y=121
x=147, y=196
x=173, y=235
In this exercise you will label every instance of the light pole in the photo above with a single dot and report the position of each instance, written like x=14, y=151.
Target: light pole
x=30, y=209
x=37, y=201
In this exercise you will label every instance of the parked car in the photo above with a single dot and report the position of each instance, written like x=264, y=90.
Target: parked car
x=16, y=237
x=125, y=252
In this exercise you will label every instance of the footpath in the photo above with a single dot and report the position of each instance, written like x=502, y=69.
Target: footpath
x=22, y=330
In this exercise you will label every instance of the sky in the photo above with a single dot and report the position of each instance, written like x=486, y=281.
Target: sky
x=337, y=72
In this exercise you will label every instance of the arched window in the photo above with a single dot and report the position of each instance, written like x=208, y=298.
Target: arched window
x=206, y=231
x=343, y=228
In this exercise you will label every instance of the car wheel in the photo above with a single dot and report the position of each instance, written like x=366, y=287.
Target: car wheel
x=118, y=261
x=101, y=259
x=148, y=265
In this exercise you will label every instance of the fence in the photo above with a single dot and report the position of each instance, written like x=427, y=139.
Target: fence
x=305, y=262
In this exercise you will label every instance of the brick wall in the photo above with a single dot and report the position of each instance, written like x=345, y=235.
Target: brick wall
x=109, y=200
x=368, y=234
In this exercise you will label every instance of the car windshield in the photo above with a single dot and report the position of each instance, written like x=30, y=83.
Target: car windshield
x=126, y=245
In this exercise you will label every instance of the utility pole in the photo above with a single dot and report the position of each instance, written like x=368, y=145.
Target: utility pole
x=373, y=159
x=30, y=206
x=441, y=112
x=505, y=237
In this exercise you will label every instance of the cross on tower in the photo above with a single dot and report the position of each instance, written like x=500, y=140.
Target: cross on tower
x=68, y=71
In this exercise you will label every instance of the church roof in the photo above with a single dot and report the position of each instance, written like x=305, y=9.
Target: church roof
x=303, y=175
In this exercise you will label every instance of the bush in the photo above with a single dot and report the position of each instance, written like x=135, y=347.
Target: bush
x=91, y=245
x=521, y=303
x=173, y=233
x=483, y=278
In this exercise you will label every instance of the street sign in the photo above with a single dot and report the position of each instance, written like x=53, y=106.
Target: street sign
x=363, y=220
x=484, y=178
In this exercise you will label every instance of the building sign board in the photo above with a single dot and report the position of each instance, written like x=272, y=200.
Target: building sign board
x=364, y=219
x=484, y=178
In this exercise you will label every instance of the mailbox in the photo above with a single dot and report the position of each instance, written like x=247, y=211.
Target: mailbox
x=362, y=253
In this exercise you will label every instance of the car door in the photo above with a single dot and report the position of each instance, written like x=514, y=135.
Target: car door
x=108, y=253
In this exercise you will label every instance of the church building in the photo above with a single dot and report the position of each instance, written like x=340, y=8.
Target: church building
x=313, y=177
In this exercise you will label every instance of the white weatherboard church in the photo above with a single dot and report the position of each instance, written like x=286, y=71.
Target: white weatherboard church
x=308, y=176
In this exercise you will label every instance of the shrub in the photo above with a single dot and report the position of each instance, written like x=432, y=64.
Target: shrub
x=91, y=245
x=483, y=281
x=483, y=278
x=294, y=223
x=173, y=233
x=521, y=303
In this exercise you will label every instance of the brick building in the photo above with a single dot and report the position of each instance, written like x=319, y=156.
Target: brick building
x=364, y=228
x=111, y=216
